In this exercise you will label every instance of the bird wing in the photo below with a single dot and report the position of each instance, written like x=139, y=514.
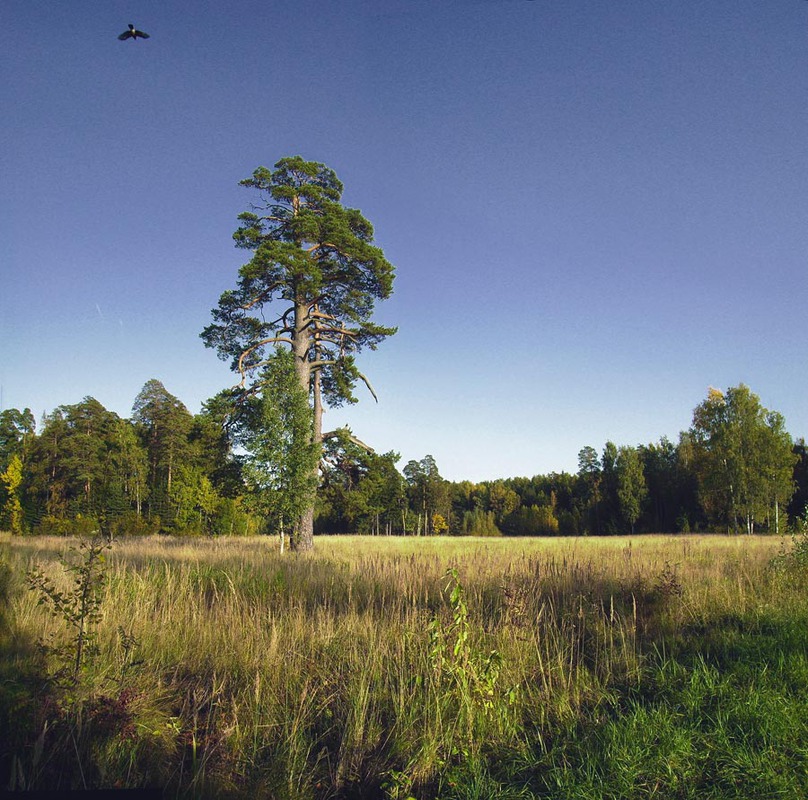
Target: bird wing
x=125, y=35
x=141, y=35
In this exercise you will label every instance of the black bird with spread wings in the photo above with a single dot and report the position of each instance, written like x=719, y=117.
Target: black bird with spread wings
x=133, y=33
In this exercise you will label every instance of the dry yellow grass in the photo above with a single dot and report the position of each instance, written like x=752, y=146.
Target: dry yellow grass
x=287, y=669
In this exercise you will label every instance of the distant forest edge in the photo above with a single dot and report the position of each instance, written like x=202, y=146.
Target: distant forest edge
x=164, y=470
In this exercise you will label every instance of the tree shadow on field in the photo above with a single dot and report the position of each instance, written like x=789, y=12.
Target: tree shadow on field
x=24, y=695
x=52, y=732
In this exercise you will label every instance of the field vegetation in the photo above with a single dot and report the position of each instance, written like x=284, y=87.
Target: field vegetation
x=654, y=666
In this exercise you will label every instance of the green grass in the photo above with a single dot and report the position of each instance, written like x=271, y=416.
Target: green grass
x=667, y=667
x=728, y=720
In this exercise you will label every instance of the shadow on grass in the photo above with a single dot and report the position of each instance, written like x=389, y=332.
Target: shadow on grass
x=23, y=694
x=51, y=729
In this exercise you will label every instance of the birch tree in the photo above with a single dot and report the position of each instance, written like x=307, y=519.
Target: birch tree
x=631, y=486
x=280, y=468
x=744, y=457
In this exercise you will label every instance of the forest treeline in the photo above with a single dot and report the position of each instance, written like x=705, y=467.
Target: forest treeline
x=165, y=470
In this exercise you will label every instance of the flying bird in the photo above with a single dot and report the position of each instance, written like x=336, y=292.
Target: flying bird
x=133, y=33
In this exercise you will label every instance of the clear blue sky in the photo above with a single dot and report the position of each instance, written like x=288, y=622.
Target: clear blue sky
x=596, y=208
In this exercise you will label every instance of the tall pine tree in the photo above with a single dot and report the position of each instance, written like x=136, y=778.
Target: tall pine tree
x=311, y=286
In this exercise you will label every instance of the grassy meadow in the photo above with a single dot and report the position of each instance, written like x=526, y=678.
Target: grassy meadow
x=644, y=667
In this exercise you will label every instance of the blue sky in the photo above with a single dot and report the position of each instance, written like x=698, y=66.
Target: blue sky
x=596, y=209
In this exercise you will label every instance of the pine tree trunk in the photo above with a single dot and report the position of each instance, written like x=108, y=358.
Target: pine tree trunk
x=303, y=534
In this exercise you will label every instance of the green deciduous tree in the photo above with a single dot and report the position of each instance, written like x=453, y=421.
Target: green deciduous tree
x=11, y=479
x=191, y=468
x=532, y=521
x=590, y=479
x=311, y=285
x=385, y=491
x=193, y=499
x=361, y=490
x=631, y=487
x=16, y=432
x=280, y=467
x=212, y=442
x=128, y=470
x=743, y=456
x=429, y=493
x=479, y=523
x=467, y=496
x=501, y=500
x=16, y=435
x=609, y=512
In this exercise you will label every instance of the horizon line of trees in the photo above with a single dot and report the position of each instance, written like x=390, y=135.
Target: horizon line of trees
x=164, y=470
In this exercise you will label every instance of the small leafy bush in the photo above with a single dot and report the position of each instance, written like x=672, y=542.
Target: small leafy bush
x=793, y=562
x=80, y=607
x=132, y=524
x=79, y=525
